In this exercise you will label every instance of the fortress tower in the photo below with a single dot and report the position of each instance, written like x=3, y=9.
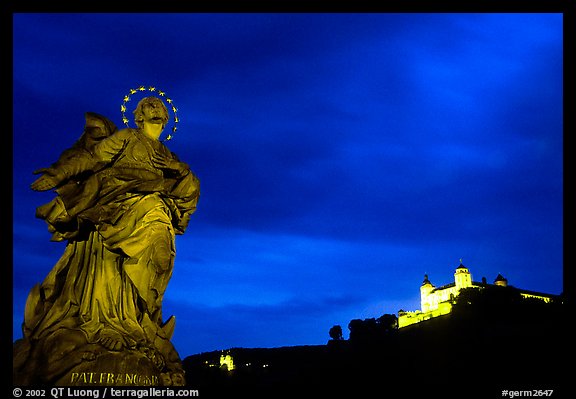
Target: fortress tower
x=462, y=277
x=501, y=281
x=425, y=298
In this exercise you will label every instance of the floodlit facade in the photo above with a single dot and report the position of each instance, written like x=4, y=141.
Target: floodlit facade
x=227, y=362
x=438, y=301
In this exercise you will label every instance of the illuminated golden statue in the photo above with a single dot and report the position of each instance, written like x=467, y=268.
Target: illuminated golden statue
x=96, y=319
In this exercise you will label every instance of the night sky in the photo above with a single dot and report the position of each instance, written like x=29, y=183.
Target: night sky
x=341, y=156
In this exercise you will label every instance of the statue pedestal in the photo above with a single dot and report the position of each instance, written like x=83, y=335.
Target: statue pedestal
x=126, y=368
x=94, y=365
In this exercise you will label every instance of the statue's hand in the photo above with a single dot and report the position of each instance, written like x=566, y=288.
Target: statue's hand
x=161, y=161
x=44, y=182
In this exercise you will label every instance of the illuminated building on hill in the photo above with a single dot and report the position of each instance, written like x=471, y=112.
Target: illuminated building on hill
x=227, y=362
x=438, y=301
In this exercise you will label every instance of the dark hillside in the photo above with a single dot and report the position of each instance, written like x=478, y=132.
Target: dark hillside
x=476, y=351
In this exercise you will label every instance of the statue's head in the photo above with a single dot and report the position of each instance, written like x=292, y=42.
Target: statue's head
x=152, y=110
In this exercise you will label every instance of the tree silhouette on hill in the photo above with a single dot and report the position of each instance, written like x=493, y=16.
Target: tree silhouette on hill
x=372, y=329
x=336, y=333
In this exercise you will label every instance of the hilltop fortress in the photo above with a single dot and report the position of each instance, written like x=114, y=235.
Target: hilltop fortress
x=438, y=301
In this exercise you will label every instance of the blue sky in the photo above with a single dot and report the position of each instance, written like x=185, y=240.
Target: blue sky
x=341, y=156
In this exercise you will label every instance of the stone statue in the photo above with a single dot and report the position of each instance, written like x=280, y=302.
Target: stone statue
x=96, y=319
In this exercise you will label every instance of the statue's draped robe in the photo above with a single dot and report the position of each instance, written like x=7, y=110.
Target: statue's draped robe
x=120, y=215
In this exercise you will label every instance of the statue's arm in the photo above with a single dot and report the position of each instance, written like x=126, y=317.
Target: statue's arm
x=80, y=161
x=66, y=167
x=107, y=150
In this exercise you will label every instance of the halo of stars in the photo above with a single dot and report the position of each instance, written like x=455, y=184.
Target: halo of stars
x=160, y=93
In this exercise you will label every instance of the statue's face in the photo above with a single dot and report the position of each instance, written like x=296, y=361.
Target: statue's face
x=153, y=110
